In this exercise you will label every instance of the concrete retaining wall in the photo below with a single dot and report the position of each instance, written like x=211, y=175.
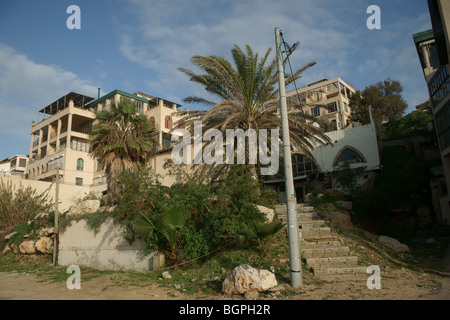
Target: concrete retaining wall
x=105, y=249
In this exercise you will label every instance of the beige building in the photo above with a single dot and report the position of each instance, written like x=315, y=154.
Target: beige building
x=62, y=140
x=326, y=100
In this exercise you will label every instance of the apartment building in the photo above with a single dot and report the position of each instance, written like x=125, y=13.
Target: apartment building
x=433, y=49
x=327, y=100
x=62, y=139
x=15, y=165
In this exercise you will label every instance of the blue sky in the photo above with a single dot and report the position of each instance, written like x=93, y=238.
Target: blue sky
x=137, y=45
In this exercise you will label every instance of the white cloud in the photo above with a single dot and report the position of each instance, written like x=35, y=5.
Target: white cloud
x=165, y=35
x=26, y=87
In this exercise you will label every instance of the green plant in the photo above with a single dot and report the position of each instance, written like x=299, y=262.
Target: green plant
x=170, y=225
x=345, y=179
x=21, y=204
x=260, y=232
x=121, y=139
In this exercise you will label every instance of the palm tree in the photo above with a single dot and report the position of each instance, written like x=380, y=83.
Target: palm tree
x=121, y=139
x=248, y=93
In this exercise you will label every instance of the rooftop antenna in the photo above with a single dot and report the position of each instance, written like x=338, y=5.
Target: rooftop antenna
x=291, y=199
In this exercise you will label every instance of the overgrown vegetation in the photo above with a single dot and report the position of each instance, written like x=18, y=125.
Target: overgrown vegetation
x=412, y=125
x=21, y=204
x=192, y=219
x=402, y=184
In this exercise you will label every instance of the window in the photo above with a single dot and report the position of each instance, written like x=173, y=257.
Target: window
x=80, y=164
x=139, y=106
x=349, y=156
x=332, y=107
x=302, y=165
x=80, y=145
x=79, y=181
x=315, y=112
x=166, y=140
x=168, y=122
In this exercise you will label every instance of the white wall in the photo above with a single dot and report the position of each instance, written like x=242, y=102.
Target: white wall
x=361, y=138
x=105, y=249
x=68, y=194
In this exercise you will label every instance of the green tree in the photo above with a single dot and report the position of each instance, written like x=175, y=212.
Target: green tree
x=248, y=97
x=384, y=97
x=120, y=139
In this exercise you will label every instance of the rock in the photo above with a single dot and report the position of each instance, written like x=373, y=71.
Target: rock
x=335, y=193
x=50, y=232
x=6, y=250
x=27, y=247
x=14, y=248
x=245, y=278
x=269, y=214
x=44, y=245
x=338, y=218
x=9, y=236
x=347, y=205
x=251, y=295
x=394, y=244
x=86, y=206
x=166, y=275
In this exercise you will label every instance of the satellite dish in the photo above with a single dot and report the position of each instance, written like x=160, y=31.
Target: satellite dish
x=315, y=124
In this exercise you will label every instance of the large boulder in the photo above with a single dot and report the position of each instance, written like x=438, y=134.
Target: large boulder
x=44, y=245
x=245, y=278
x=86, y=206
x=394, y=244
x=27, y=247
x=268, y=213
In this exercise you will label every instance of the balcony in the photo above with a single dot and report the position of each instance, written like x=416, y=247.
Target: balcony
x=439, y=85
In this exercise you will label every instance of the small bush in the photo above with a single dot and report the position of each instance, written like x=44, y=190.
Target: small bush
x=21, y=204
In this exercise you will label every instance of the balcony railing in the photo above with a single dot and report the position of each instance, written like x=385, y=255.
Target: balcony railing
x=439, y=85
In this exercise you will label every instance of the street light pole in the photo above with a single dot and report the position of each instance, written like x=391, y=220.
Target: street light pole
x=291, y=200
x=56, y=222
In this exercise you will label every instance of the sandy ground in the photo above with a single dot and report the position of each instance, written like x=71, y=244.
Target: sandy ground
x=396, y=284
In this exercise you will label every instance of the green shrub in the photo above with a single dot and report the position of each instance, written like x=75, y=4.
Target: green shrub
x=21, y=204
x=214, y=212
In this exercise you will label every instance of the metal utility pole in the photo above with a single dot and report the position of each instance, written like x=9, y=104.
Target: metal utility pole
x=56, y=226
x=291, y=200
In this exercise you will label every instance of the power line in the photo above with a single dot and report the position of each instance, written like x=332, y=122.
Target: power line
x=289, y=50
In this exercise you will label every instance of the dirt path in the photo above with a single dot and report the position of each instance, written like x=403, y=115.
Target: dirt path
x=397, y=284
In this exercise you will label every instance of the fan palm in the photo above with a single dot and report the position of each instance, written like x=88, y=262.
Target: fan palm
x=120, y=139
x=248, y=93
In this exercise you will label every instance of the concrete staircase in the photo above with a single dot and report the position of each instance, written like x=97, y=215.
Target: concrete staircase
x=322, y=250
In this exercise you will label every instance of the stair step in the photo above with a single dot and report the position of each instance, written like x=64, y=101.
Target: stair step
x=332, y=262
x=315, y=233
x=301, y=207
x=311, y=224
x=319, y=243
x=308, y=216
x=306, y=224
x=325, y=251
x=342, y=273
